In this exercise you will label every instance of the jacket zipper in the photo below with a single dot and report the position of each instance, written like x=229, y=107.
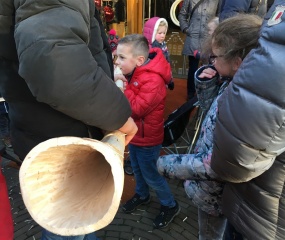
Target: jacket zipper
x=142, y=122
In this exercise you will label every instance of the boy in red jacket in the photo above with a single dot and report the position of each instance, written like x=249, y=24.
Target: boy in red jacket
x=147, y=72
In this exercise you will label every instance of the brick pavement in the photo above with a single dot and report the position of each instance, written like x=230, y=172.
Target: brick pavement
x=135, y=226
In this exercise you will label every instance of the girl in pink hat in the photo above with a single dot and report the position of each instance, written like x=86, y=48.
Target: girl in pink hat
x=155, y=30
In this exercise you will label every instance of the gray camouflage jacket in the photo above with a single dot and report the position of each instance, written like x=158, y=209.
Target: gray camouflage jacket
x=196, y=27
x=195, y=168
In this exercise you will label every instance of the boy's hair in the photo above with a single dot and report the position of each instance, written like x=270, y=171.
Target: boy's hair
x=237, y=35
x=138, y=43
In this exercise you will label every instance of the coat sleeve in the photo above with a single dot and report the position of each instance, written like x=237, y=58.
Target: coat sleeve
x=7, y=43
x=59, y=68
x=184, y=15
x=186, y=166
x=232, y=7
x=250, y=130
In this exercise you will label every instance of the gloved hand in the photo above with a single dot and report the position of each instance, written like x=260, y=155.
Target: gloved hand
x=197, y=54
x=171, y=85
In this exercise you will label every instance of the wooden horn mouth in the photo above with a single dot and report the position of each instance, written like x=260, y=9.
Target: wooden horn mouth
x=73, y=186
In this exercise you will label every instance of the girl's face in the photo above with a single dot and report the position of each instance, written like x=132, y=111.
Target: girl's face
x=126, y=61
x=160, y=34
x=225, y=68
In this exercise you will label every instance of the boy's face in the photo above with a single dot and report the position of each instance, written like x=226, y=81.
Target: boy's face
x=160, y=35
x=126, y=61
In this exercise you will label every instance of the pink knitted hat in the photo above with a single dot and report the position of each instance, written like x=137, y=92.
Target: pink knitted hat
x=113, y=39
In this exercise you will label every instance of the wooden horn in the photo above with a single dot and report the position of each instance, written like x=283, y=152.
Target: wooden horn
x=73, y=186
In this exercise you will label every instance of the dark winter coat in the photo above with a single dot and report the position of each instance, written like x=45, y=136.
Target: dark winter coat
x=56, y=78
x=249, y=139
x=232, y=7
x=106, y=44
x=195, y=28
x=146, y=92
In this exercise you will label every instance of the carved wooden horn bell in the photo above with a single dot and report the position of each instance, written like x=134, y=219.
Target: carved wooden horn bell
x=73, y=186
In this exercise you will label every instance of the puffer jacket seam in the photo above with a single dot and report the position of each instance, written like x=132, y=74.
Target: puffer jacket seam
x=272, y=103
x=43, y=39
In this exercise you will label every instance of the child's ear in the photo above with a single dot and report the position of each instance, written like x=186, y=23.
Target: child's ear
x=140, y=60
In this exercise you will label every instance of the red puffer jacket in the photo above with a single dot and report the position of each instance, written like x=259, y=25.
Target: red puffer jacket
x=146, y=92
x=6, y=222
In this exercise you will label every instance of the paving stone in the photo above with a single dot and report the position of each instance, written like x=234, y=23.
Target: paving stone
x=163, y=235
x=113, y=234
x=147, y=221
x=189, y=235
x=139, y=225
x=18, y=226
x=145, y=235
x=153, y=211
x=119, y=228
x=126, y=235
x=117, y=221
x=22, y=231
x=135, y=216
x=34, y=230
x=177, y=235
x=176, y=227
x=36, y=236
x=100, y=234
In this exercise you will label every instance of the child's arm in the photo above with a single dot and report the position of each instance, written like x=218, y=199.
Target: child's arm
x=184, y=16
x=186, y=166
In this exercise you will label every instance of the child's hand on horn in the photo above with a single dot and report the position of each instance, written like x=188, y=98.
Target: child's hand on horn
x=208, y=73
x=120, y=81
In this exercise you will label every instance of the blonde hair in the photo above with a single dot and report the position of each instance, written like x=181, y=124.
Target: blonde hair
x=162, y=24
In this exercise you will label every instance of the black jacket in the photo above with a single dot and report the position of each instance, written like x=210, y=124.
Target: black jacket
x=56, y=78
x=106, y=44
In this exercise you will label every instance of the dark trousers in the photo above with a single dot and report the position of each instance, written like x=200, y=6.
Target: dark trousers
x=231, y=233
x=4, y=120
x=193, y=66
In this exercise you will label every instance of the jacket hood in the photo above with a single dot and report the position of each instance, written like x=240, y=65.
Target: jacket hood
x=157, y=64
x=150, y=28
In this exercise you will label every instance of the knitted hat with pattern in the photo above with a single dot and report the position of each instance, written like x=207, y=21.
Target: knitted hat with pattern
x=113, y=39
